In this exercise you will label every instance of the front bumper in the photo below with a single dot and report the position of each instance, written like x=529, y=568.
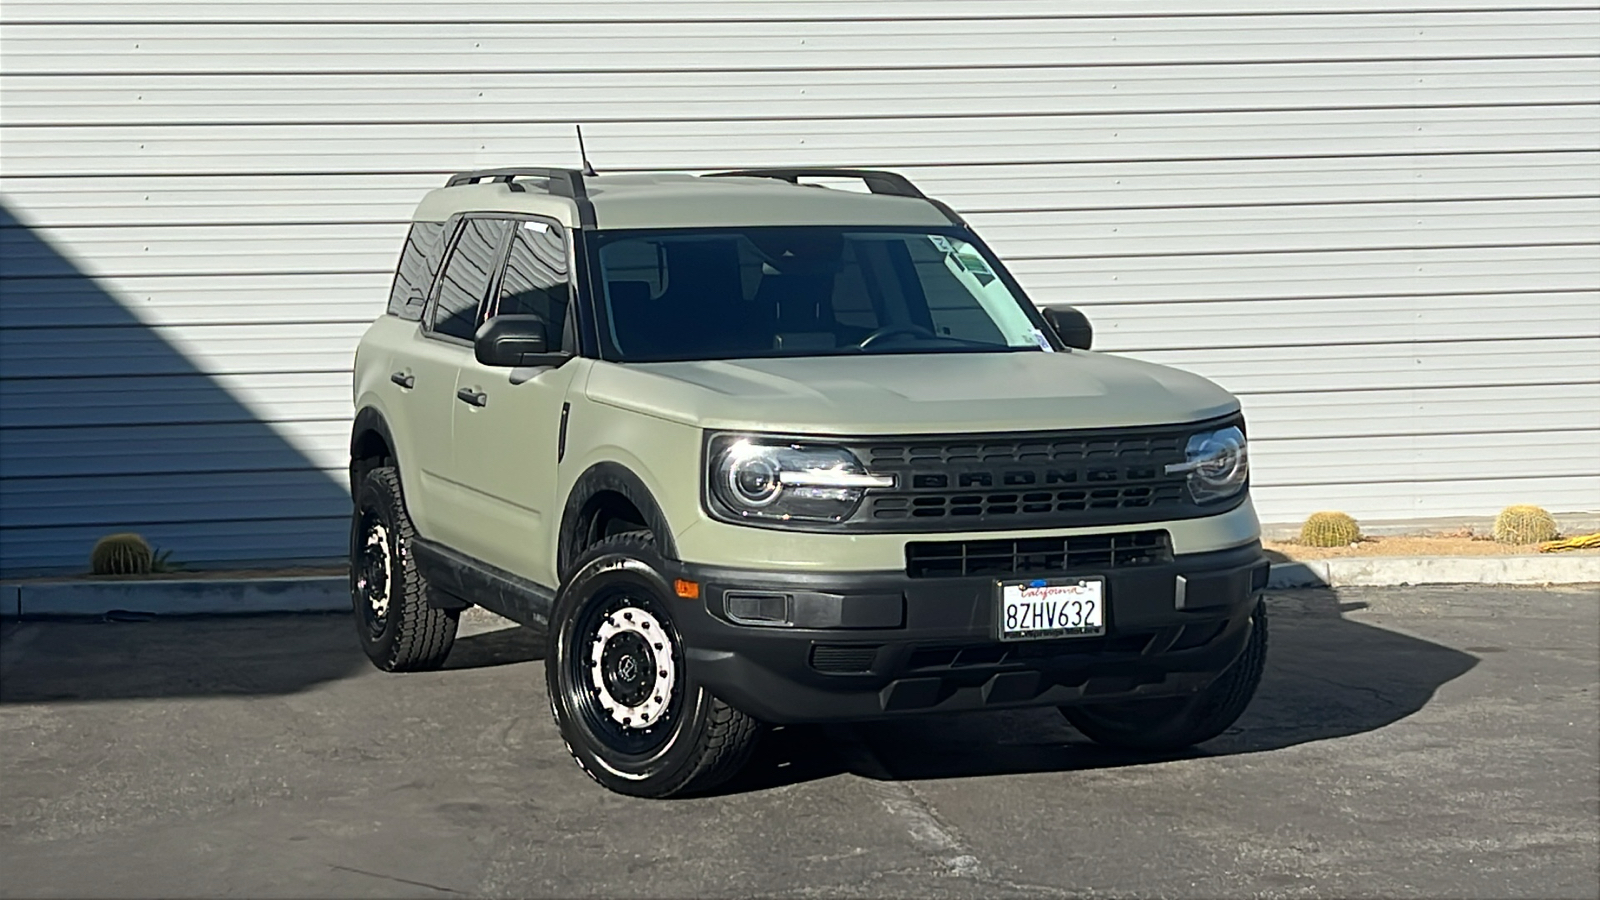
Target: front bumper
x=879, y=644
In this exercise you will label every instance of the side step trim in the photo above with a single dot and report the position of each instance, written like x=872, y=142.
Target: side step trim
x=466, y=581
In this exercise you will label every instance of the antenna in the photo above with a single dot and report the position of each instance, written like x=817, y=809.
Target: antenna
x=587, y=169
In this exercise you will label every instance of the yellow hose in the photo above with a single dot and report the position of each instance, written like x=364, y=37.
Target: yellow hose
x=1581, y=542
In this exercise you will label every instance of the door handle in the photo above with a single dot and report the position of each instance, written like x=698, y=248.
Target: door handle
x=404, y=379
x=476, y=398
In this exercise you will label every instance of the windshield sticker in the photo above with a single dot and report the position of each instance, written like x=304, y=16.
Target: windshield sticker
x=972, y=262
x=939, y=242
x=1043, y=342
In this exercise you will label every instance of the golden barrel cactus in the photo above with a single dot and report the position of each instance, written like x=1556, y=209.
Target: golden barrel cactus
x=121, y=554
x=1524, y=524
x=1329, y=529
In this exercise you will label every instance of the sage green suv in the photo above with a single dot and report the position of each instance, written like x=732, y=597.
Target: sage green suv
x=751, y=450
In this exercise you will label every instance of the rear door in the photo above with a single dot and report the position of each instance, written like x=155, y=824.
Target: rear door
x=439, y=349
x=507, y=438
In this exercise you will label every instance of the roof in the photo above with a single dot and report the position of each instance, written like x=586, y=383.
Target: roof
x=676, y=200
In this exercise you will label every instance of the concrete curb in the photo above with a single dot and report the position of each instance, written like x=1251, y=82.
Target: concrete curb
x=176, y=596
x=200, y=597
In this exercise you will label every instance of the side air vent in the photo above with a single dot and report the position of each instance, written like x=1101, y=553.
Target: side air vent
x=843, y=659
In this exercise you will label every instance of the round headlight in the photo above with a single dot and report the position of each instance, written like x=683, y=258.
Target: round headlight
x=754, y=479
x=1219, y=457
x=776, y=480
x=1217, y=464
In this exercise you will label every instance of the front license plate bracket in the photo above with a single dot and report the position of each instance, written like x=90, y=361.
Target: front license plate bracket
x=1039, y=608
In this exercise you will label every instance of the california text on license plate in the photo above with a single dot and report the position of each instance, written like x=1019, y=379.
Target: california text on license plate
x=1041, y=608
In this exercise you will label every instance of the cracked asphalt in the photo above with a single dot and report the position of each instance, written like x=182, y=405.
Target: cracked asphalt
x=1406, y=742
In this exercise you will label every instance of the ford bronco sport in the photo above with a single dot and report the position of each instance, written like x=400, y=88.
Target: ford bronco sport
x=753, y=450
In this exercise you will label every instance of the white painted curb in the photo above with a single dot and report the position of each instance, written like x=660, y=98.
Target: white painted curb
x=176, y=596
x=1378, y=571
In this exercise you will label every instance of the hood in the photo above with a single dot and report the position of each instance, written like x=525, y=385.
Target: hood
x=911, y=393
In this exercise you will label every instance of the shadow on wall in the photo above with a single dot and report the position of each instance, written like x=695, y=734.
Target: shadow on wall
x=105, y=426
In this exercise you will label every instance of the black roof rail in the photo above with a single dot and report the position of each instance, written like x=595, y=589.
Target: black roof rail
x=877, y=180
x=566, y=182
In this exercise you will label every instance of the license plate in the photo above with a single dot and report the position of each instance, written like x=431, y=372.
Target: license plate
x=1045, y=608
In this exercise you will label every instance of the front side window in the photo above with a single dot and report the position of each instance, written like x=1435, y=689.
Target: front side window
x=464, y=283
x=804, y=291
x=535, y=279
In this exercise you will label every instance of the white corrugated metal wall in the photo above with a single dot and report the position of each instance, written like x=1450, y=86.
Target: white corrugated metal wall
x=1380, y=225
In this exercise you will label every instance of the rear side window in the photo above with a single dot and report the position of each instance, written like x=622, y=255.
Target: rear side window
x=414, y=275
x=465, y=280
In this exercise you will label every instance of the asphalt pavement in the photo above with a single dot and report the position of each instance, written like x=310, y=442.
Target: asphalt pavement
x=1406, y=742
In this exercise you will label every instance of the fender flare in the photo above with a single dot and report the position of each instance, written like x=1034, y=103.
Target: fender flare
x=369, y=421
x=613, y=477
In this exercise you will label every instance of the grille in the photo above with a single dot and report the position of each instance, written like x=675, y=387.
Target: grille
x=1036, y=556
x=1030, y=480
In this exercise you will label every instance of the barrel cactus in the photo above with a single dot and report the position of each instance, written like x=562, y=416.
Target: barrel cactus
x=1524, y=524
x=121, y=554
x=1329, y=529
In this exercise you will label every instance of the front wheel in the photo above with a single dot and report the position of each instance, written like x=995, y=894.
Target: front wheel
x=1173, y=723
x=623, y=697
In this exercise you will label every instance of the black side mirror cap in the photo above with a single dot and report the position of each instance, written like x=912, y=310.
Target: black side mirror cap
x=1070, y=324
x=515, y=339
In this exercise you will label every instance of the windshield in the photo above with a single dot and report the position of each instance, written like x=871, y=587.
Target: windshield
x=741, y=293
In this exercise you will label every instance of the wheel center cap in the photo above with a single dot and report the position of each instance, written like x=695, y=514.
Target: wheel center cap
x=627, y=668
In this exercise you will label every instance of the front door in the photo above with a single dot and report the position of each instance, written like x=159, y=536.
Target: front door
x=508, y=434
x=443, y=346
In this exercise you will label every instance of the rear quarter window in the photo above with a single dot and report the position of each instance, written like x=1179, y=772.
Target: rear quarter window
x=414, y=275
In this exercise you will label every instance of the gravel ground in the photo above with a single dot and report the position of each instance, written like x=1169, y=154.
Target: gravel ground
x=1406, y=742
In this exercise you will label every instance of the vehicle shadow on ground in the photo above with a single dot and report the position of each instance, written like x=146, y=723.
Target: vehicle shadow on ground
x=146, y=658
x=1327, y=677
x=129, y=658
x=503, y=647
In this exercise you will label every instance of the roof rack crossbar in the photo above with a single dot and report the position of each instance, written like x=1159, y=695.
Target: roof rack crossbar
x=877, y=181
x=565, y=182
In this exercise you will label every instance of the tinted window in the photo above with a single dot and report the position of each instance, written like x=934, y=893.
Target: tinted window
x=465, y=280
x=414, y=275
x=535, y=279
x=756, y=292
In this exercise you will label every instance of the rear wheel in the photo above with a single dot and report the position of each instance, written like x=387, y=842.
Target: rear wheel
x=398, y=630
x=1173, y=723
x=626, y=704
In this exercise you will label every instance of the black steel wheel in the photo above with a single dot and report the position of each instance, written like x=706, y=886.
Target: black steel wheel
x=620, y=689
x=398, y=630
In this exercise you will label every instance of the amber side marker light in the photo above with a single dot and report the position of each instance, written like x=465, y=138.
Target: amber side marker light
x=688, y=590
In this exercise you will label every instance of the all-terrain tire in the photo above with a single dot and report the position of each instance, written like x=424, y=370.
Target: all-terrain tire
x=398, y=630
x=1173, y=723
x=694, y=741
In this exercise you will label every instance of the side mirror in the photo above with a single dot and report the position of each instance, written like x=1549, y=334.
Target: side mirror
x=515, y=339
x=1071, y=325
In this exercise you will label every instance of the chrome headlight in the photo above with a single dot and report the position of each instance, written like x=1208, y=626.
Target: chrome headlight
x=1217, y=463
x=776, y=480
